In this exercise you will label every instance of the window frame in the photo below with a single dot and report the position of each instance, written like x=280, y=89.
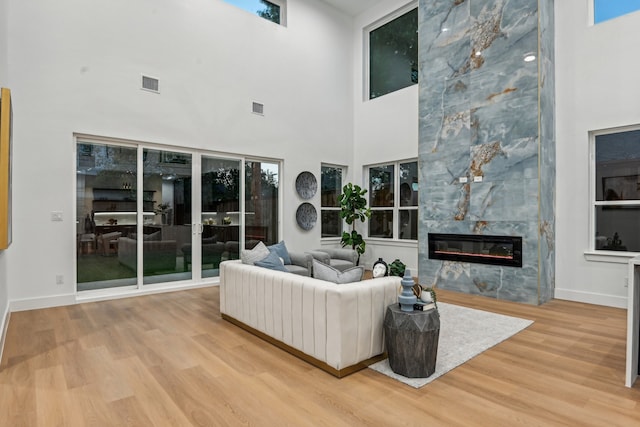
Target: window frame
x=281, y=3
x=593, y=18
x=600, y=255
x=366, y=56
x=396, y=208
x=332, y=208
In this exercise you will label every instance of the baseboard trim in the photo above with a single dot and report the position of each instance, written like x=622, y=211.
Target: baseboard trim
x=43, y=302
x=591, y=298
x=5, y=327
x=340, y=373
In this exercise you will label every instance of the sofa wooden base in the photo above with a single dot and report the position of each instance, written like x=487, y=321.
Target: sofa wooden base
x=340, y=373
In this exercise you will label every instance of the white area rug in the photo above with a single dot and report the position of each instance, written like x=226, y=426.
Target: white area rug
x=464, y=333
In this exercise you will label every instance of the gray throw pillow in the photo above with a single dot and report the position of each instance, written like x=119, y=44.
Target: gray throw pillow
x=281, y=250
x=326, y=272
x=272, y=262
x=250, y=256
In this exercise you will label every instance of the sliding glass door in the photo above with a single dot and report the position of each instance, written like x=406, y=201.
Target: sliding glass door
x=261, y=202
x=167, y=211
x=220, y=213
x=142, y=218
x=106, y=205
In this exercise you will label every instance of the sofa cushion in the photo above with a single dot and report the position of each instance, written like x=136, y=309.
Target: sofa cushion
x=250, y=256
x=153, y=237
x=281, y=250
x=326, y=272
x=272, y=262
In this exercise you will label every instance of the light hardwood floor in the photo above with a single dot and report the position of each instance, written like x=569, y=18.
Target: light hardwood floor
x=170, y=360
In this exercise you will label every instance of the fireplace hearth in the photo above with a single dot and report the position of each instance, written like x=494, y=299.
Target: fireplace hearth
x=476, y=248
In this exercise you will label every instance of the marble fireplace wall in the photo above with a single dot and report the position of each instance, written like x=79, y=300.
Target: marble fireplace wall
x=487, y=114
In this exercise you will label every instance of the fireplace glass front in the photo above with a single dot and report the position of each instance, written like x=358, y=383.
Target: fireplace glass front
x=476, y=248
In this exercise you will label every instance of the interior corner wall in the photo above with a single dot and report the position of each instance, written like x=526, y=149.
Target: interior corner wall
x=385, y=130
x=80, y=72
x=481, y=119
x=597, y=88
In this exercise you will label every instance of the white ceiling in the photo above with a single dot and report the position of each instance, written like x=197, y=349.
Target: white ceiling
x=353, y=7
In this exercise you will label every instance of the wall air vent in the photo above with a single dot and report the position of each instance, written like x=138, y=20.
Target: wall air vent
x=257, y=108
x=151, y=84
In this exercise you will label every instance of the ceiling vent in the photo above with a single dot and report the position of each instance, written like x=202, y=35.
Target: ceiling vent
x=151, y=84
x=257, y=108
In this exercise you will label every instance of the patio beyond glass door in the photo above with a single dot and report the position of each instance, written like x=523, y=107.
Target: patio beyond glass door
x=262, y=181
x=220, y=213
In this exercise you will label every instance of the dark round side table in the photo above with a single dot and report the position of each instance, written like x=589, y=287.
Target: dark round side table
x=411, y=339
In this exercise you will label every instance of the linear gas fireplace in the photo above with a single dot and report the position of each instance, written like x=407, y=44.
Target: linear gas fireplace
x=494, y=250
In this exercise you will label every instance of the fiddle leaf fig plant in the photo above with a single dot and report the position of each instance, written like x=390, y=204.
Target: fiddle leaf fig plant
x=353, y=208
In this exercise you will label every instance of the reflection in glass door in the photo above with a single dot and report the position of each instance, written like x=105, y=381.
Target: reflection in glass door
x=106, y=200
x=220, y=213
x=167, y=228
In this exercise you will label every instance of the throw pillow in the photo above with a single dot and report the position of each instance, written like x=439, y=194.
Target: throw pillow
x=281, y=250
x=250, y=256
x=272, y=262
x=326, y=272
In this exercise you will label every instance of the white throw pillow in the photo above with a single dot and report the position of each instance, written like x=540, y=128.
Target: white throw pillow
x=326, y=272
x=250, y=256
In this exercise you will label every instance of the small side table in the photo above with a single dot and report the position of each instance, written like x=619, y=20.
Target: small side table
x=411, y=339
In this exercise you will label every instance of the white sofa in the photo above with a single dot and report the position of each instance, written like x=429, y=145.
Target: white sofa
x=335, y=327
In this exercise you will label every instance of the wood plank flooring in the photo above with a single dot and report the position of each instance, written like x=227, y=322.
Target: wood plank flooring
x=170, y=360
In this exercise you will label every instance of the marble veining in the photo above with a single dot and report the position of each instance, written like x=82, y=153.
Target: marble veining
x=485, y=112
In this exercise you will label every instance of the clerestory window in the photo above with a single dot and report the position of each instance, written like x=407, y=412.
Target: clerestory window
x=273, y=10
x=393, y=53
x=605, y=10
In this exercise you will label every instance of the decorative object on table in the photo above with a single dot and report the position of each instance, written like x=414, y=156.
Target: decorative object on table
x=411, y=340
x=426, y=297
x=407, y=298
x=380, y=268
x=306, y=216
x=465, y=333
x=353, y=208
x=306, y=185
x=397, y=268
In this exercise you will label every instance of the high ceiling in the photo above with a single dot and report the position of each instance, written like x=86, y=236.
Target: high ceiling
x=353, y=7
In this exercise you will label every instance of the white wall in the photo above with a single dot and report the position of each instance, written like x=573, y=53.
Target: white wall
x=385, y=129
x=597, y=87
x=80, y=72
x=4, y=82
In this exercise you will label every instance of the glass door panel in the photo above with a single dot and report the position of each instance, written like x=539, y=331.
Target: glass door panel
x=106, y=215
x=261, y=202
x=167, y=228
x=220, y=213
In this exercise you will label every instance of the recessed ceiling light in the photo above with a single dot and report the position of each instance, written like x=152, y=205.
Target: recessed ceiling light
x=529, y=57
x=444, y=30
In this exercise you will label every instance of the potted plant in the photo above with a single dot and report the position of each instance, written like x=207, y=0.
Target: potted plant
x=162, y=209
x=396, y=268
x=353, y=208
